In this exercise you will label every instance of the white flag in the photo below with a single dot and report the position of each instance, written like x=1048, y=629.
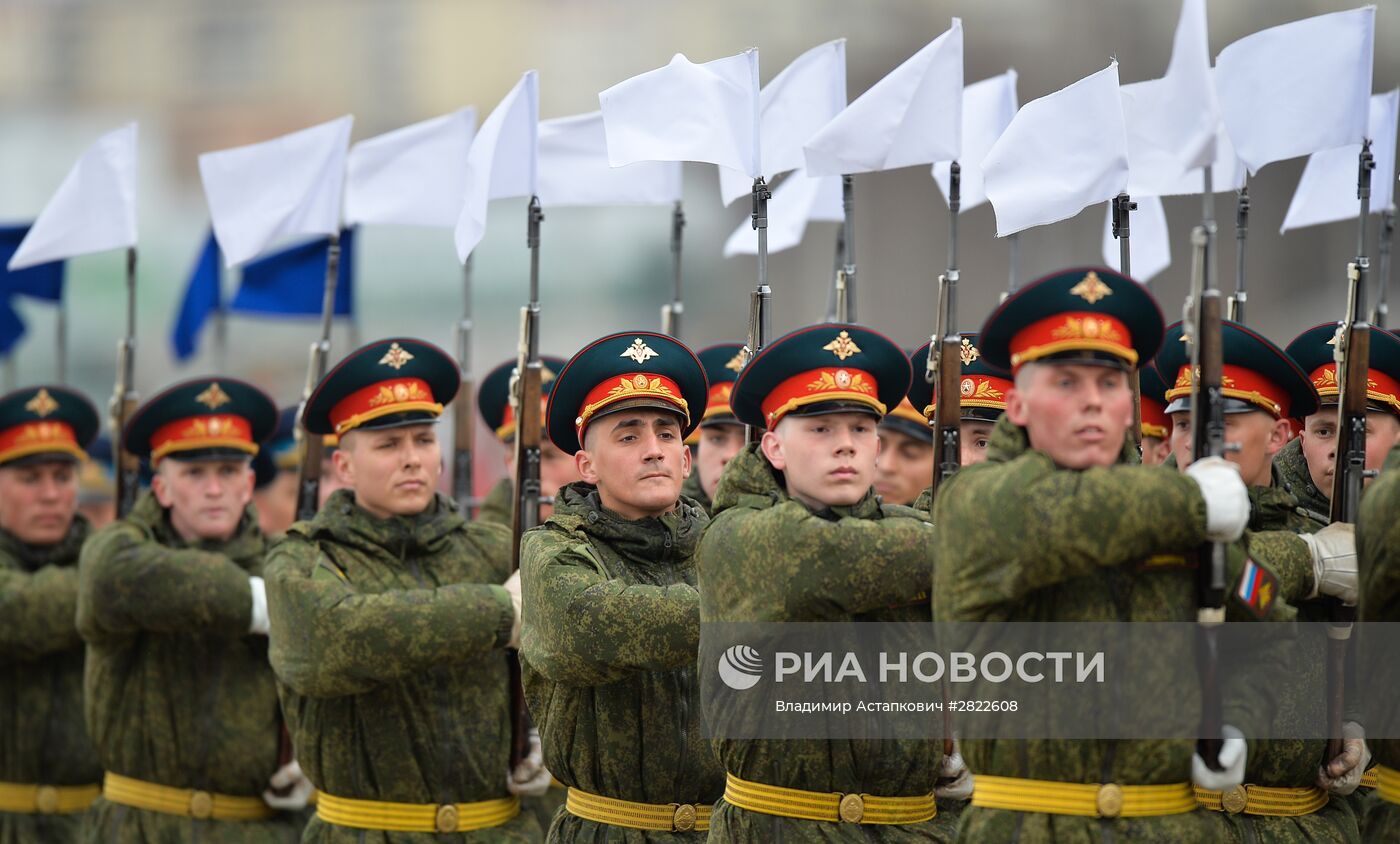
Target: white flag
x=796, y=202
x=1298, y=88
x=791, y=108
x=1061, y=154
x=1148, y=243
x=574, y=168
x=1228, y=173
x=414, y=176
x=987, y=109
x=687, y=112
x=94, y=208
x=1327, y=191
x=503, y=161
x=912, y=116
x=281, y=188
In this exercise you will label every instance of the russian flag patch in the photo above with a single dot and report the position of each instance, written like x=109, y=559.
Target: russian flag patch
x=1258, y=588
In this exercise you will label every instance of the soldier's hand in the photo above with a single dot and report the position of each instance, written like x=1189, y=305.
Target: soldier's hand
x=289, y=776
x=1342, y=775
x=257, y=623
x=1227, y=500
x=530, y=777
x=512, y=586
x=954, y=779
x=1232, y=758
x=1333, y=552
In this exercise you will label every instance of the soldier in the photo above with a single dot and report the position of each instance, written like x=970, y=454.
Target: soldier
x=1379, y=544
x=1062, y=457
x=983, y=391
x=1306, y=464
x=1285, y=796
x=49, y=772
x=97, y=487
x=389, y=626
x=556, y=469
x=612, y=618
x=181, y=702
x=799, y=535
x=277, y=474
x=1156, y=425
x=720, y=435
x=905, y=463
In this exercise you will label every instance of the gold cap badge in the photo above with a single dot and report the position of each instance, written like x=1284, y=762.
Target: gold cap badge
x=737, y=362
x=968, y=353
x=639, y=351
x=213, y=397
x=42, y=404
x=396, y=357
x=1091, y=288
x=843, y=346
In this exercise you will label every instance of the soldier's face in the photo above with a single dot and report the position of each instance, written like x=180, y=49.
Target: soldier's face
x=718, y=445
x=904, y=467
x=393, y=471
x=828, y=460
x=277, y=503
x=206, y=498
x=1155, y=451
x=974, y=438
x=637, y=459
x=1078, y=415
x=1253, y=439
x=37, y=502
x=1320, y=444
x=557, y=470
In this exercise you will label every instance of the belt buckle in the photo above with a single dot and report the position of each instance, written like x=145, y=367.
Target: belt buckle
x=1233, y=800
x=1109, y=800
x=447, y=818
x=852, y=808
x=201, y=805
x=46, y=800
x=683, y=819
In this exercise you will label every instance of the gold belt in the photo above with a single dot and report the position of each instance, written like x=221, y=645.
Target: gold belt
x=1274, y=801
x=1094, y=800
x=26, y=799
x=415, y=817
x=660, y=817
x=202, y=805
x=829, y=806
x=1371, y=778
x=1387, y=783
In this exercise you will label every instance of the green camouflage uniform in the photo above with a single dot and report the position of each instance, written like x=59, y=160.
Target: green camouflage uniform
x=611, y=634
x=1291, y=473
x=1080, y=555
x=388, y=639
x=1378, y=547
x=43, y=739
x=695, y=492
x=178, y=692
x=769, y=558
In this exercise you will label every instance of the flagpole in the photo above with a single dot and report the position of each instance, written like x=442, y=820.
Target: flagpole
x=760, y=319
x=1208, y=269
x=1378, y=319
x=671, y=315
x=124, y=396
x=464, y=425
x=846, y=278
x=1123, y=206
x=60, y=334
x=836, y=267
x=1237, y=302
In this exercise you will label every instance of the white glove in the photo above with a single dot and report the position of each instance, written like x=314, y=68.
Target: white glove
x=512, y=586
x=954, y=779
x=1227, y=500
x=1342, y=775
x=1232, y=753
x=289, y=776
x=1333, y=552
x=257, y=624
x=530, y=778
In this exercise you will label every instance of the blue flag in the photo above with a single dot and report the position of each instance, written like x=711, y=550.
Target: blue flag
x=292, y=282
x=11, y=327
x=203, y=296
x=44, y=281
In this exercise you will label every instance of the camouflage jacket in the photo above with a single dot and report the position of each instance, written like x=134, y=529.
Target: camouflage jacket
x=1378, y=548
x=1080, y=555
x=388, y=639
x=695, y=492
x=611, y=633
x=1291, y=473
x=178, y=692
x=44, y=739
x=496, y=506
x=768, y=557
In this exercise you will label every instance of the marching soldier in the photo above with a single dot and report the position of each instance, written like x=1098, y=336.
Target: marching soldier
x=1062, y=458
x=612, y=618
x=389, y=625
x=49, y=772
x=1156, y=426
x=799, y=535
x=275, y=468
x=181, y=702
x=906, y=454
x=720, y=435
x=1285, y=796
x=556, y=469
x=983, y=390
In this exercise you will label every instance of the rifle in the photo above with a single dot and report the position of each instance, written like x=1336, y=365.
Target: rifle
x=313, y=447
x=124, y=397
x=944, y=363
x=1237, y=301
x=1207, y=440
x=1378, y=318
x=1353, y=352
x=760, y=320
x=1122, y=208
x=463, y=424
x=525, y=509
x=672, y=313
